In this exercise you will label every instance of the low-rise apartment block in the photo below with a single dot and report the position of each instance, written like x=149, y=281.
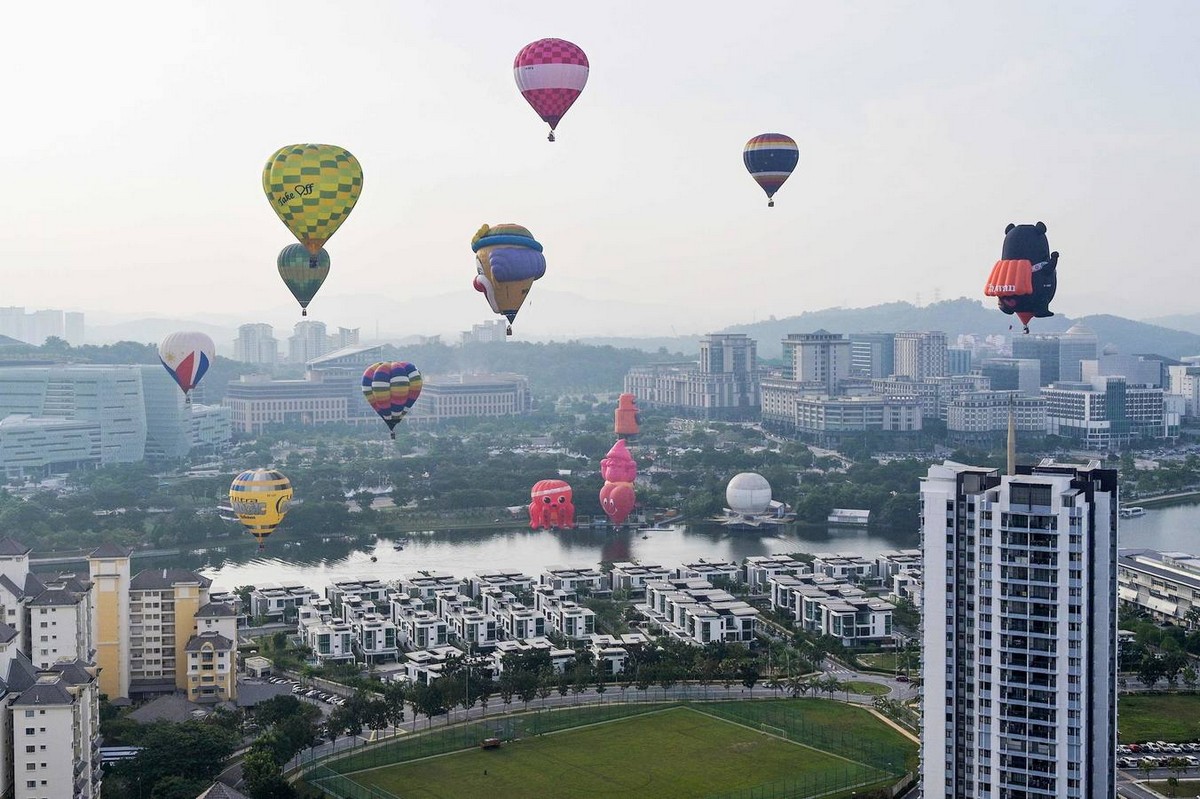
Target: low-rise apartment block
x=696, y=612
x=827, y=606
x=632, y=577
x=703, y=569
x=757, y=570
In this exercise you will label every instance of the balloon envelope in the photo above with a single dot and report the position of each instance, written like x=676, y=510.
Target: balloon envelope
x=391, y=388
x=770, y=159
x=551, y=73
x=617, y=500
x=507, y=261
x=303, y=272
x=260, y=498
x=312, y=188
x=187, y=356
x=748, y=493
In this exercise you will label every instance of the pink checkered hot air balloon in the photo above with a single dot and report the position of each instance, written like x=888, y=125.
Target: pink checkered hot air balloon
x=550, y=74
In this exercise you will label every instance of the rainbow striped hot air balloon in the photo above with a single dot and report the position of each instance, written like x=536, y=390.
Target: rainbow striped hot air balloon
x=551, y=73
x=770, y=159
x=260, y=498
x=391, y=388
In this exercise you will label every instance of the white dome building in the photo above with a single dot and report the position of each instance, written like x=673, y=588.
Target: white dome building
x=748, y=494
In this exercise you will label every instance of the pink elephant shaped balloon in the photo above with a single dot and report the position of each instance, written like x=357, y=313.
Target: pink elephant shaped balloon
x=550, y=506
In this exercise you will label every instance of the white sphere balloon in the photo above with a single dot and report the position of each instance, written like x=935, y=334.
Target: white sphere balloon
x=748, y=493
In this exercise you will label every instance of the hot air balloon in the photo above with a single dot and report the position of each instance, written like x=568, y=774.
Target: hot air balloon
x=550, y=506
x=626, y=418
x=392, y=389
x=187, y=356
x=313, y=188
x=770, y=159
x=1025, y=278
x=619, y=470
x=303, y=272
x=550, y=74
x=260, y=499
x=507, y=261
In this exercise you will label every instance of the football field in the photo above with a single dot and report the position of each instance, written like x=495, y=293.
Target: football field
x=679, y=752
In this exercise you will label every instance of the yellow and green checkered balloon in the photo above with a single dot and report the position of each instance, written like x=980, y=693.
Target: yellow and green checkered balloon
x=313, y=188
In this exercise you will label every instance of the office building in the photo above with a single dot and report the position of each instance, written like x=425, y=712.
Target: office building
x=1183, y=380
x=457, y=396
x=256, y=343
x=1107, y=413
x=1019, y=632
x=725, y=384
x=168, y=416
x=1022, y=375
x=980, y=418
x=34, y=446
x=872, y=354
x=921, y=355
x=1138, y=370
x=343, y=338
x=307, y=342
x=489, y=332
x=1164, y=585
x=820, y=358
x=1042, y=348
x=958, y=361
x=926, y=393
x=109, y=396
x=330, y=393
x=1077, y=345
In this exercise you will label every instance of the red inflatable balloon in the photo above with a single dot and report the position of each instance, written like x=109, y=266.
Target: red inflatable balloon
x=617, y=500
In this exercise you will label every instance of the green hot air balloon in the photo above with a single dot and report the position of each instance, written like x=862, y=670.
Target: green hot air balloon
x=303, y=273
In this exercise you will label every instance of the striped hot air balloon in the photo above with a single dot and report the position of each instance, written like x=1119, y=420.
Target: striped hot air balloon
x=550, y=73
x=391, y=388
x=186, y=356
x=260, y=498
x=770, y=159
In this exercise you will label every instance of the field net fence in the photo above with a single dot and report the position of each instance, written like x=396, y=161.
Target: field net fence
x=869, y=764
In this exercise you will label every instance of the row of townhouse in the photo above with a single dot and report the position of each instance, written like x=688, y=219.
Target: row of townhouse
x=693, y=610
x=860, y=569
x=828, y=606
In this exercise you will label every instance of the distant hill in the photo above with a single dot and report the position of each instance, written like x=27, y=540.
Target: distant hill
x=954, y=317
x=1188, y=322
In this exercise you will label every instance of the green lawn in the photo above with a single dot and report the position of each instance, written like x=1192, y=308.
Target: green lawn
x=1159, y=717
x=868, y=688
x=886, y=661
x=1186, y=787
x=680, y=752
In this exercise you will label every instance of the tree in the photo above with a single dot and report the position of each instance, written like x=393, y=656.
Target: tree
x=748, y=673
x=1150, y=670
x=263, y=776
x=191, y=750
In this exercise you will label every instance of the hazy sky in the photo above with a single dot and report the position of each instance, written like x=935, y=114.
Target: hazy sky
x=135, y=134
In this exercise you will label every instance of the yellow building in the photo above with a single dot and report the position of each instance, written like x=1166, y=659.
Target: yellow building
x=109, y=569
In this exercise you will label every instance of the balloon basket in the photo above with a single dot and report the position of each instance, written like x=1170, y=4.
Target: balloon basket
x=304, y=312
x=550, y=137
x=771, y=204
x=393, y=435
x=508, y=332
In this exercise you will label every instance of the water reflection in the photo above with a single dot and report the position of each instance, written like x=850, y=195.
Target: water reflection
x=464, y=552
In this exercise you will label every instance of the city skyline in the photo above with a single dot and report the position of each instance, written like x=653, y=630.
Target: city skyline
x=897, y=152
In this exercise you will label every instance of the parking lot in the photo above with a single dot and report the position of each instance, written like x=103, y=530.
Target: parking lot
x=307, y=693
x=1157, y=754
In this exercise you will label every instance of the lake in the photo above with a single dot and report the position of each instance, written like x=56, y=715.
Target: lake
x=464, y=552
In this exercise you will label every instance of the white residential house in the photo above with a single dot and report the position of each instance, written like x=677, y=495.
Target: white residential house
x=611, y=652
x=704, y=569
x=367, y=589
x=827, y=606
x=473, y=627
x=632, y=577
x=423, y=630
x=896, y=561
x=427, y=583
x=850, y=568
x=560, y=659
x=759, y=569
x=512, y=581
x=696, y=612
x=518, y=621
x=402, y=606
x=377, y=638
x=571, y=620
x=276, y=602
x=331, y=640
x=579, y=580
x=447, y=603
